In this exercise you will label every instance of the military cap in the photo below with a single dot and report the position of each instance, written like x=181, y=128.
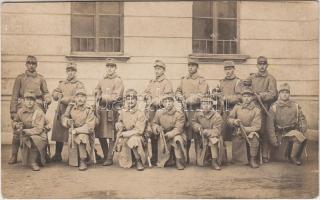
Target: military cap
x=262, y=59
x=192, y=62
x=29, y=94
x=247, y=90
x=72, y=65
x=159, y=63
x=167, y=96
x=31, y=59
x=207, y=98
x=110, y=62
x=284, y=86
x=131, y=92
x=228, y=64
x=81, y=91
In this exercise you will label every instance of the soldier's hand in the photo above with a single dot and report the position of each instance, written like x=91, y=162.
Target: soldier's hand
x=237, y=122
x=70, y=122
x=119, y=126
x=74, y=132
x=159, y=129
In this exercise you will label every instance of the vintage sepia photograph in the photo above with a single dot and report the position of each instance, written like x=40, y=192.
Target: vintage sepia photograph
x=203, y=99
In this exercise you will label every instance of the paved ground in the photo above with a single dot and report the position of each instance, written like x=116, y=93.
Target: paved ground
x=274, y=180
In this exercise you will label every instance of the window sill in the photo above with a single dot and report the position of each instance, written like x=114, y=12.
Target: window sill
x=218, y=58
x=120, y=57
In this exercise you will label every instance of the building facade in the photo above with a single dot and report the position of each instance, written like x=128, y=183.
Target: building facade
x=135, y=34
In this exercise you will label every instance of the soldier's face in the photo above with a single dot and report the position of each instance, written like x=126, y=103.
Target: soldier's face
x=131, y=101
x=168, y=104
x=159, y=71
x=284, y=95
x=229, y=71
x=71, y=74
x=262, y=66
x=206, y=106
x=31, y=66
x=192, y=68
x=29, y=102
x=110, y=69
x=246, y=98
x=80, y=99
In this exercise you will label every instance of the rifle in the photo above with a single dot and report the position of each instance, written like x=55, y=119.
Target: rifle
x=149, y=151
x=116, y=142
x=261, y=104
x=70, y=130
x=149, y=145
x=165, y=148
x=244, y=133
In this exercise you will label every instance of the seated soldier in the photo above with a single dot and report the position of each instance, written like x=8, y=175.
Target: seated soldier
x=207, y=123
x=246, y=118
x=130, y=127
x=29, y=123
x=168, y=123
x=286, y=126
x=80, y=120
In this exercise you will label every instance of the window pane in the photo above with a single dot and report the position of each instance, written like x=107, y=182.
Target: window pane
x=202, y=28
x=227, y=47
x=202, y=46
x=202, y=9
x=109, y=26
x=82, y=26
x=227, y=29
x=109, y=8
x=91, y=44
x=75, y=44
x=83, y=7
x=227, y=9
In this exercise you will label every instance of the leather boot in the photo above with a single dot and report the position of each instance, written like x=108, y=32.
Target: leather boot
x=188, y=148
x=83, y=165
x=57, y=156
x=33, y=159
x=139, y=164
x=214, y=165
x=109, y=159
x=98, y=157
x=253, y=162
x=294, y=152
x=14, y=153
x=179, y=164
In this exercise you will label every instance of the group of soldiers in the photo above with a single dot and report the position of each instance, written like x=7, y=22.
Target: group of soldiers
x=261, y=122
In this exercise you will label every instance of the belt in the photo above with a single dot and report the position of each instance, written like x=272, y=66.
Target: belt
x=285, y=129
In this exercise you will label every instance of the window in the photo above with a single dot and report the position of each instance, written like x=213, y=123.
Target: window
x=96, y=27
x=214, y=27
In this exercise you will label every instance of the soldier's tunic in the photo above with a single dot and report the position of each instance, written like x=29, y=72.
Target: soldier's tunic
x=286, y=124
x=266, y=86
x=211, y=122
x=231, y=90
x=192, y=88
x=84, y=124
x=34, y=121
x=134, y=121
x=29, y=82
x=172, y=123
x=250, y=116
x=113, y=87
x=68, y=89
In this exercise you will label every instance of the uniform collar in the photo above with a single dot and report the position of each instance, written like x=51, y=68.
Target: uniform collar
x=284, y=103
x=170, y=112
x=27, y=110
x=110, y=76
x=159, y=79
x=250, y=106
x=207, y=115
x=32, y=74
x=230, y=78
x=83, y=107
x=262, y=74
x=132, y=110
x=74, y=80
x=193, y=76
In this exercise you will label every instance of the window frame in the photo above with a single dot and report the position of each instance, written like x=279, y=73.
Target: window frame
x=96, y=53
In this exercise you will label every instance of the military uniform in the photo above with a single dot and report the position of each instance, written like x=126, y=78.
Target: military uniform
x=108, y=92
x=155, y=90
x=208, y=125
x=265, y=86
x=286, y=126
x=28, y=81
x=64, y=94
x=33, y=136
x=191, y=89
x=133, y=122
x=171, y=122
x=80, y=120
x=250, y=117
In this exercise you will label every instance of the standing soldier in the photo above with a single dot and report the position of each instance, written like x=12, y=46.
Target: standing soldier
x=108, y=95
x=264, y=86
x=207, y=123
x=168, y=123
x=230, y=89
x=286, y=127
x=191, y=89
x=80, y=120
x=64, y=94
x=28, y=81
x=30, y=124
x=246, y=118
x=155, y=89
x=130, y=127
